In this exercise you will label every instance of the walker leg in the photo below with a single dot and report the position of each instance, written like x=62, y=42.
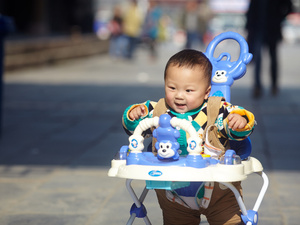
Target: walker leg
x=237, y=196
x=137, y=209
x=131, y=219
x=262, y=191
x=250, y=217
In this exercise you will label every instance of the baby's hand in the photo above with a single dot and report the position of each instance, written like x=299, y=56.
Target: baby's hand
x=137, y=112
x=236, y=121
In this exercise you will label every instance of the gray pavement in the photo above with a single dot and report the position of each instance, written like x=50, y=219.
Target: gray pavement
x=62, y=127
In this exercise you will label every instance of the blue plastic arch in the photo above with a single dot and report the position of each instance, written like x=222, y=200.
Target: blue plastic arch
x=224, y=71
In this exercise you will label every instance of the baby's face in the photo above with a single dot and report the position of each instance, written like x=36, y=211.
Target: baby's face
x=185, y=88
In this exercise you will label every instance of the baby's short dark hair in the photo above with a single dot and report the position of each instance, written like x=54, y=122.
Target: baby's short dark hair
x=190, y=58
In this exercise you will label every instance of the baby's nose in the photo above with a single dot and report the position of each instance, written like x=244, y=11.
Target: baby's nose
x=179, y=94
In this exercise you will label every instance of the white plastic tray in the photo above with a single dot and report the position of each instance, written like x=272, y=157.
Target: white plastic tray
x=218, y=172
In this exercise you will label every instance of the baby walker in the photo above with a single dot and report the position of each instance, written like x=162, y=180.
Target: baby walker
x=170, y=171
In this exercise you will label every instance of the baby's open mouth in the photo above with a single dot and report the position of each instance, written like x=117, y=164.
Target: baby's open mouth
x=179, y=105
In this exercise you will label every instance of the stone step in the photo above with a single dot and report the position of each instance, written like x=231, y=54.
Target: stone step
x=38, y=51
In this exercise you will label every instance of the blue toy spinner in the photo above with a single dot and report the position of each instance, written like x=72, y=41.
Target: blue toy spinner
x=167, y=146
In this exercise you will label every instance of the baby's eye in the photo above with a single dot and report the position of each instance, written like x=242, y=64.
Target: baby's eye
x=172, y=88
x=189, y=90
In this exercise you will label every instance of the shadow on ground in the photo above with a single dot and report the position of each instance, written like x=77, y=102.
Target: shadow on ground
x=80, y=125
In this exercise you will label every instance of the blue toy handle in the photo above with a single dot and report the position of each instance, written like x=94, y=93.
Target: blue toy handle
x=224, y=71
x=245, y=56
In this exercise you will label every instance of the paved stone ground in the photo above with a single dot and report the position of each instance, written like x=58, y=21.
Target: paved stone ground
x=62, y=127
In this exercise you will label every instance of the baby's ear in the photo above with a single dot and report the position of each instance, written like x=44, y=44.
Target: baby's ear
x=207, y=92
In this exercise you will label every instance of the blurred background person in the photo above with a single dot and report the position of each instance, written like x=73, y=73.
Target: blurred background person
x=116, y=45
x=132, y=25
x=264, y=21
x=190, y=23
x=195, y=22
x=151, y=27
x=205, y=15
x=7, y=26
x=163, y=28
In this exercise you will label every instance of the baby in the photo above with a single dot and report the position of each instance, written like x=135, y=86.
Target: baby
x=187, y=79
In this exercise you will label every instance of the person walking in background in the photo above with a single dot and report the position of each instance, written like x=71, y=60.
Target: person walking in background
x=195, y=21
x=264, y=19
x=132, y=27
x=115, y=27
x=190, y=23
x=151, y=27
x=205, y=15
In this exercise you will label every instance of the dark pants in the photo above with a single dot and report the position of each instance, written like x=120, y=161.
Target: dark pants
x=257, y=57
x=192, y=38
x=131, y=46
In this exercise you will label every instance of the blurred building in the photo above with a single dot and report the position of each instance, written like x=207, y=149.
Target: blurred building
x=49, y=30
x=49, y=17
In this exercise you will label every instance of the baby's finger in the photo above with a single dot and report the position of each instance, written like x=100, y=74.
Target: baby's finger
x=142, y=110
x=242, y=123
x=229, y=117
x=232, y=122
x=134, y=115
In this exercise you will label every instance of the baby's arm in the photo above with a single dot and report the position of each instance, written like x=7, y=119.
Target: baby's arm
x=138, y=112
x=133, y=114
x=239, y=122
